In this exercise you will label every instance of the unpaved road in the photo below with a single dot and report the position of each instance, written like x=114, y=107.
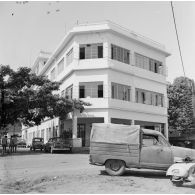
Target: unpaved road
x=29, y=172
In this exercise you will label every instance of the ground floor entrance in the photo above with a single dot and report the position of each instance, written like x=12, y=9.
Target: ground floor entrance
x=84, y=126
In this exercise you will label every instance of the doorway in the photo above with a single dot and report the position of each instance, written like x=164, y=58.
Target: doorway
x=81, y=132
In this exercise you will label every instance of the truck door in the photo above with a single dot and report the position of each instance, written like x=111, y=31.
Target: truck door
x=155, y=152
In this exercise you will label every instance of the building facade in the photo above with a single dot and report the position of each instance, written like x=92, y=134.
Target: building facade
x=122, y=74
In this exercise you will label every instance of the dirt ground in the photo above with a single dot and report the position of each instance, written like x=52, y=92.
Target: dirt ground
x=37, y=172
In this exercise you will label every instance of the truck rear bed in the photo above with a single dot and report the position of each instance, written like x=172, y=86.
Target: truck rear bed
x=100, y=152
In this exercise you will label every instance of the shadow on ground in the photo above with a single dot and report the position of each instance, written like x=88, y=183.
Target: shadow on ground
x=141, y=173
x=189, y=185
x=21, y=151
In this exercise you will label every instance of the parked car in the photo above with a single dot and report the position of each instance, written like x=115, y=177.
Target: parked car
x=122, y=146
x=21, y=143
x=58, y=143
x=47, y=146
x=37, y=143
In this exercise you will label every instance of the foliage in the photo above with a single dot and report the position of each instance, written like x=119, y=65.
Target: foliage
x=29, y=98
x=180, y=111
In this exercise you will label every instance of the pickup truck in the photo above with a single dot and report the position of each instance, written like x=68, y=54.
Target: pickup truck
x=118, y=147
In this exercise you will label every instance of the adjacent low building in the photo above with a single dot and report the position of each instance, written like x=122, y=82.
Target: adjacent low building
x=121, y=73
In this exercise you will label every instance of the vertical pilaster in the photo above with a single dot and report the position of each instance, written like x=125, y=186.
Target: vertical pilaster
x=133, y=94
x=74, y=125
x=107, y=119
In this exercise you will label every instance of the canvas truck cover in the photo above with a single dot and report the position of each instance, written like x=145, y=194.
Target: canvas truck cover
x=115, y=133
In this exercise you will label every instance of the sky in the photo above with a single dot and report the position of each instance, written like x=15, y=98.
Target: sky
x=28, y=27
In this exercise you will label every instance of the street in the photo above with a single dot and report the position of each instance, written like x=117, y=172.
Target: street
x=38, y=172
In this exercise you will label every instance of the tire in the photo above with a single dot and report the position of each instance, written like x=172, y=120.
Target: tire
x=177, y=181
x=115, y=167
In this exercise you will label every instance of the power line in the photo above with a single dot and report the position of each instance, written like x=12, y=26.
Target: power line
x=178, y=39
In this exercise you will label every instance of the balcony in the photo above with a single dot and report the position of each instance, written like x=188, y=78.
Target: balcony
x=136, y=71
x=137, y=107
x=97, y=63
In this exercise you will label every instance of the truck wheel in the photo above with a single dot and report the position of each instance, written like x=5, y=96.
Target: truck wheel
x=177, y=181
x=115, y=167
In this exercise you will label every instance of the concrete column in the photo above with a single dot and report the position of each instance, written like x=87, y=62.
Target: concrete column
x=132, y=58
x=133, y=94
x=76, y=51
x=74, y=125
x=106, y=50
x=107, y=119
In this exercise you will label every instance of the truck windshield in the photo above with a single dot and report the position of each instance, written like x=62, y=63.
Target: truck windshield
x=151, y=140
x=163, y=141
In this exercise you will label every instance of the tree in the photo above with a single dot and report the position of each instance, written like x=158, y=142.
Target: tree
x=180, y=111
x=29, y=98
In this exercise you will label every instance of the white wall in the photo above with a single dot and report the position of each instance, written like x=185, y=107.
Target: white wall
x=107, y=71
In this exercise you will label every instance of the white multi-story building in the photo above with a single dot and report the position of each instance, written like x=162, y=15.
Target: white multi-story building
x=121, y=73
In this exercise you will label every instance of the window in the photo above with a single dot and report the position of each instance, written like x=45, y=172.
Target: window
x=42, y=133
x=120, y=54
x=47, y=133
x=63, y=93
x=69, y=92
x=53, y=74
x=137, y=95
x=81, y=91
x=149, y=140
x=50, y=134
x=91, y=51
x=69, y=57
x=100, y=51
x=152, y=140
x=149, y=97
x=143, y=97
x=91, y=89
x=82, y=53
x=100, y=91
x=114, y=91
x=121, y=92
x=148, y=63
x=61, y=66
x=156, y=100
